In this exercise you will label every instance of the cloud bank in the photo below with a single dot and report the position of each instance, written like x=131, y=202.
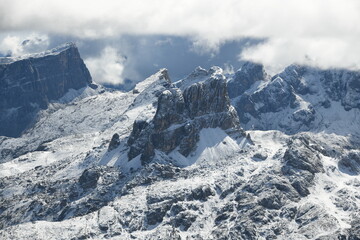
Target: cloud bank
x=108, y=67
x=16, y=46
x=323, y=33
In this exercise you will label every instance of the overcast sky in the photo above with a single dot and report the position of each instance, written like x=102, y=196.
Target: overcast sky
x=122, y=40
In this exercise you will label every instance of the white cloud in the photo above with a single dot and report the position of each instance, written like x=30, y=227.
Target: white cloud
x=325, y=31
x=228, y=69
x=107, y=68
x=277, y=53
x=16, y=46
x=205, y=47
x=163, y=42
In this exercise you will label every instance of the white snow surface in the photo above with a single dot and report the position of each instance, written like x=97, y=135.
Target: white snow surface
x=214, y=144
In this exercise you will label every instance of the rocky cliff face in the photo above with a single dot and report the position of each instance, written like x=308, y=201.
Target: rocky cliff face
x=245, y=77
x=180, y=116
x=29, y=84
x=298, y=99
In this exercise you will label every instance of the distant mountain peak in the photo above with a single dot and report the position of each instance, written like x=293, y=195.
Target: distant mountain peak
x=54, y=51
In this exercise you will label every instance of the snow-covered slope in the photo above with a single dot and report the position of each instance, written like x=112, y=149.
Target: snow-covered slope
x=69, y=176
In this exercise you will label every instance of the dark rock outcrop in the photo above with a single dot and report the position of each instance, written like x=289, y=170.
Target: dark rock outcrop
x=339, y=84
x=180, y=116
x=276, y=96
x=354, y=231
x=114, y=142
x=293, y=96
x=171, y=106
x=260, y=156
x=301, y=163
x=89, y=178
x=301, y=156
x=28, y=85
x=350, y=163
x=246, y=76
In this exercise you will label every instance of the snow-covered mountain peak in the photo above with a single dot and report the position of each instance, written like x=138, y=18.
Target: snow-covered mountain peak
x=161, y=75
x=199, y=75
x=54, y=51
x=300, y=98
x=179, y=118
x=249, y=74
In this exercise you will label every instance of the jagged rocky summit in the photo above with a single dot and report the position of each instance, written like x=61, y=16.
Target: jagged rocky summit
x=300, y=98
x=28, y=84
x=181, y=115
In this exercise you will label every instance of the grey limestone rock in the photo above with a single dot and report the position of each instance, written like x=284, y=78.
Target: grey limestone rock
x=170, y=109
x=312, y=218
x=260, y=156
x=28, y=85
x=89, y=178
x=245, y=77
x=298, y=94
x=351, y=162
x=301, y=156
x=301, y=162
x=114, y=142
x=180, y=116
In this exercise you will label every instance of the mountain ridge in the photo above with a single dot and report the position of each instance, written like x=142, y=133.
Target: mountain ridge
x=74, y=178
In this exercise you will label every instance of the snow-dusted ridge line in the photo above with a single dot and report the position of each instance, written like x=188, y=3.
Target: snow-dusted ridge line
x=54, y=51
